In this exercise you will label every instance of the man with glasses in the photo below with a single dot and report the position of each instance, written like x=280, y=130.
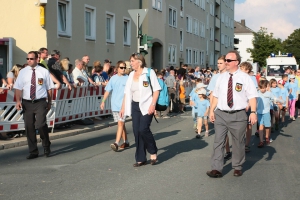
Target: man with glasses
x=117, y=86
x=36, y=86
x=231, y=94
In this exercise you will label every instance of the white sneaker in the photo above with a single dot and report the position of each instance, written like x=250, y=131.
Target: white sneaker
x=271, y=140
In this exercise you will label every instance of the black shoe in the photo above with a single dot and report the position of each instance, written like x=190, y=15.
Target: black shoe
x=140, y=164
x=227, y=156
x=47, y=152
x=198, y=136
x=214, y=174
x=256, y=134
x=32, y=156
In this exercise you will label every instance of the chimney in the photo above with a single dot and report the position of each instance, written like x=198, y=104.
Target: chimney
x=243, y=22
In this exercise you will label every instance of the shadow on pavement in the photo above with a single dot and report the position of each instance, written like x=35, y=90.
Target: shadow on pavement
x=180, y=147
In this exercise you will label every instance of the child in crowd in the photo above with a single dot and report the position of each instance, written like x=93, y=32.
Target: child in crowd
x=293, y=96
x=247, y=67
x=275, y=112
x=202, y=108
x=192, y=96
x=181, y=96
x=284, y=95
x=285, y=78
x=263, y=112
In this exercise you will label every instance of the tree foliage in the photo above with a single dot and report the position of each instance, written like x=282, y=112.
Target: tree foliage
x=292, y=44
x=263, y=45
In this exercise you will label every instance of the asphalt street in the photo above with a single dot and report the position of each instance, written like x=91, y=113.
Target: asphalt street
x=84, y=167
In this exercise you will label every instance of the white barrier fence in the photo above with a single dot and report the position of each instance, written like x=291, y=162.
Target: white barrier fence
x=67, y=106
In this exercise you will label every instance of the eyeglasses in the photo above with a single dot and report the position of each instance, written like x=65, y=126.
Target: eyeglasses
x=136, y=54
x=30, y=58
x=122, y=67
x=229, y=60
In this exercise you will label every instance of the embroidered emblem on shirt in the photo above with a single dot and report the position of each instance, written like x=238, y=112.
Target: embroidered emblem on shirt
x=238, y=87
x=145, y=83
x=40, y=81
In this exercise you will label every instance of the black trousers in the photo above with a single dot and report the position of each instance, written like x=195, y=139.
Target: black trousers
x=144, y=139
x=35, y=118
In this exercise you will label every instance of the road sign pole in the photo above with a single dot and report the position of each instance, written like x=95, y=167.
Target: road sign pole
x=137, y=33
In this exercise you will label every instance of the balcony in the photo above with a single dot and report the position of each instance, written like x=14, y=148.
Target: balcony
x=217, y=46
x=218, y=2
x=218, y=23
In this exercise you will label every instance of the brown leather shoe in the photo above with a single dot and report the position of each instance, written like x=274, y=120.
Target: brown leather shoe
x=139, y=164
x=214, y=174
x=237, y=173
x=124, y=146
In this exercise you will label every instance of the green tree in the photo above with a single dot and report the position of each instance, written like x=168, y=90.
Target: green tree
x=292, y=44
x=263, y=45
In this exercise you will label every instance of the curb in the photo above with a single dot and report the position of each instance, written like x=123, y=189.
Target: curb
x=78, y=129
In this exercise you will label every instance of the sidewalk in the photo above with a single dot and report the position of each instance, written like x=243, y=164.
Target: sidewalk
x=61, y=133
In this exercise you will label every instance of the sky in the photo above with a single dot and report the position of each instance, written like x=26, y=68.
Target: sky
x=281, y=17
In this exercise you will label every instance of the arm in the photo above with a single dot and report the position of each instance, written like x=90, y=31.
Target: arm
x=253, y=116
x=58, y=85
x=206, y=112
x=49, y=93
x=212, y=108
x=65, y=80
x=18, y=99
x=153, y=104
x=106, y=94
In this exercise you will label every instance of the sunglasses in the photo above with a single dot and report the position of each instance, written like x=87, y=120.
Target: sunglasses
x=122, y=67
x=229, y=60
x=136, y=54
x=30, y=58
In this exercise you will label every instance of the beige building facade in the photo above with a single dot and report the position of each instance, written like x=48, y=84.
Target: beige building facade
x=195, y=32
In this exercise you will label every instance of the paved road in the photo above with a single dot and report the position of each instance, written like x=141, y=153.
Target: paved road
x=84, y=167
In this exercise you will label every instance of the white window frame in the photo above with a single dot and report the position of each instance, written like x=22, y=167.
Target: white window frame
x=173, y=18
x=189, y=25
x=202, y=4
x=172, y=54
x=211, y=58
x=128, y=42
x=222, y=38
x=197, y=2
x=212, y=9
x=188, y=55
x=201, y=57
x=202, y=29
x=92, y=11
x=157, y=5
x=181, y=39
x=212, y=34
x=223, y=17
x=195, y=56
x=112, y=27
x=68, y=19
x=207, y=21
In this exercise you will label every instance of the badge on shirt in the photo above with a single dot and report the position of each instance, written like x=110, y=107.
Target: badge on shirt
x=145, y=83
x=40, y=81
x=238, y=87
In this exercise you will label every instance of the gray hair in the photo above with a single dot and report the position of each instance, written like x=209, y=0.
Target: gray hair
x=78, y=61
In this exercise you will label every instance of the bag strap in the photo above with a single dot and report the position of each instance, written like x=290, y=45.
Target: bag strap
x=149, y=79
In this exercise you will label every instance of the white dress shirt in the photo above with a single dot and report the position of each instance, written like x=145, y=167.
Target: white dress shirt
x=43, y=82
x=145, y=91
x=243, y=89
x=77, y=73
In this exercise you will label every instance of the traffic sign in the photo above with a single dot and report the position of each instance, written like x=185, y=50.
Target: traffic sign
x=142, y=14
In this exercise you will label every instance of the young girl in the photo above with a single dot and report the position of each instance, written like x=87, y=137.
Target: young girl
x=284, y=95
x=275, y=112
x=293, y=96
x=202, y=107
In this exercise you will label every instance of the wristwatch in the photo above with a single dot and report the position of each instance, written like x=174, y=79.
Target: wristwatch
x=254, y=112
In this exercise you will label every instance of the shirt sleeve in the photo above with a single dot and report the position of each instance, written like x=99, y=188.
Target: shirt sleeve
x=251, y=91
x=9, y=75
x=216, y=89
x=18, y=83
x=154, y=81
x=108, y=87
x=49, y=84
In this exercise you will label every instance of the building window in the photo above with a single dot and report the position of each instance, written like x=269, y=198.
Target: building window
x=189, y=27
x=211, y=60
x=202, y=4
x=110, y=27
x=222, y=17
x=212, y=9
x=90, y=22
x=196, y=27
x=212, y=34
x=201, y=58
x=172, y=17
x=181, y=7
x=156, y=4
x=64, y=18
x=181, y=40
x=172, y=53
x=197, y=2
x=222, y=38
x=207, y=21
x=188, y=56
x=196, y=56
x=127, y=32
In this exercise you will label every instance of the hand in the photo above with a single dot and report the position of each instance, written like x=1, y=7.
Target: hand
x=70, y=87
x=49, y=105
x=1, y=91
x=151, y=109
x=247, y=108
x=212, y=117
x=192, y=103
x=253, y=118
x=18, y=105
x=102, y=106
x=121, y=113
x=9, y=87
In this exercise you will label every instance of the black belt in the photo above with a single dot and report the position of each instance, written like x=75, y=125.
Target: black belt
x=34, y=101
x=231, y=111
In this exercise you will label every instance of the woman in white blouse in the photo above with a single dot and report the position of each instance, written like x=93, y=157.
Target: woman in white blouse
x=139, y=102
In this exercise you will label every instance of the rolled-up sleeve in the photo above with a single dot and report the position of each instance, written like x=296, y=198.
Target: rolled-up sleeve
x=251, y=91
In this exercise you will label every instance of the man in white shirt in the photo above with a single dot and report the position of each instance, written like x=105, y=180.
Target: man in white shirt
x=36, y=86
x=78, y=76
x=231, y=94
